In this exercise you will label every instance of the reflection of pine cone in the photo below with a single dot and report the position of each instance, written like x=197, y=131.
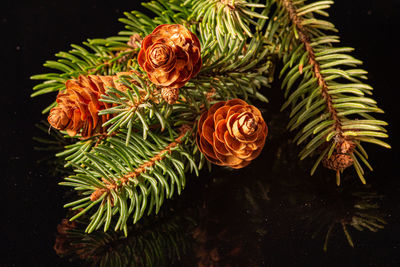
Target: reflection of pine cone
x=62, y=246
x=170, y=55
x=79, y=104
x=231, y=133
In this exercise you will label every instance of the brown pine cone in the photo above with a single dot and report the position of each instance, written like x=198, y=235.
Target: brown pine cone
x=341, y=156
x=231, y=133
x=170, y=95
x=337, y=161
x=78, y=105
x=170, y=55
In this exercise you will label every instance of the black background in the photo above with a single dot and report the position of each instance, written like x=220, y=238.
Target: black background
x=33, y=31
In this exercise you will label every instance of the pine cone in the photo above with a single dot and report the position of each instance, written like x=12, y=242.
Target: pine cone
x=170, y=95
x=231, y=133
x=170, y=55
x=341, y=156
x=78, y=105
x=337, y=161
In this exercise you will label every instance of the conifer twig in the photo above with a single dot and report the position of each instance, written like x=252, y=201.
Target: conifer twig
x=142, y=168
x=305, y=39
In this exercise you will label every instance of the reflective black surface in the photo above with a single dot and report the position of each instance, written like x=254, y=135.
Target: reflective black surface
x=271, y=213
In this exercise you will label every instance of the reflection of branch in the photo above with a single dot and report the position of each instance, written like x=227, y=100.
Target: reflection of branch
x=361, y=215
x=219, y=234
x=359, y=221
x=154, y=241
x=372, y=223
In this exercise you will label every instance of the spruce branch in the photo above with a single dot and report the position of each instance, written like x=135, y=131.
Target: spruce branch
x=167, y=12
x=129, y=179
x=315, y=65
x=234, y=68
x=108, y=56
x=129, y=108
x=100, y=57
x=133, y=158
x=143, y=168
x=229, y=18
x=324, y=88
